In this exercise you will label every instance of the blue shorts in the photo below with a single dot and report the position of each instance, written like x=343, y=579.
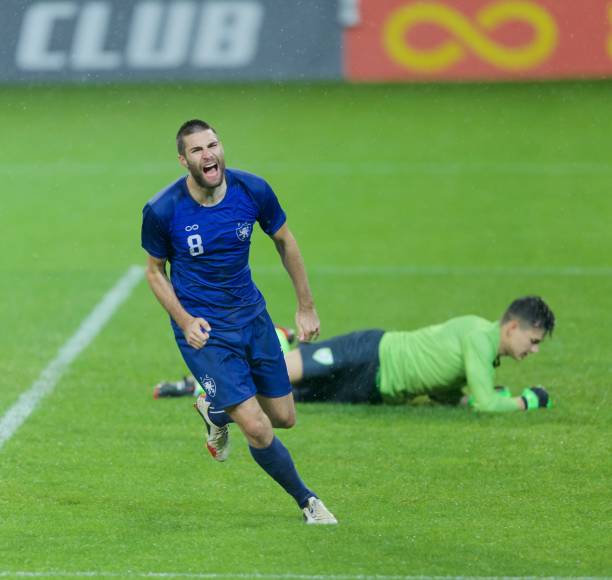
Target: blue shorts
x=234, y=365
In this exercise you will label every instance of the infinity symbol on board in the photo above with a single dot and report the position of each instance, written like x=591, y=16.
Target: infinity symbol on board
x=470, y=35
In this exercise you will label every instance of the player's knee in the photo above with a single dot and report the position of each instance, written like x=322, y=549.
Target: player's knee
x=257, y=428
x=286, y=421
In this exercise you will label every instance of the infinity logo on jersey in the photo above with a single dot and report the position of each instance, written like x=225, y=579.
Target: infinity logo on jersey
x=208, y=384
x=243, y=231
x=193, y=228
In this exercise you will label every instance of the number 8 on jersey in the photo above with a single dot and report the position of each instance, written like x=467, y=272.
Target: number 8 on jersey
x=195, y=245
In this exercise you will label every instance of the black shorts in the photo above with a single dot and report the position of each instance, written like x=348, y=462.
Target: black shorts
x=342, y=369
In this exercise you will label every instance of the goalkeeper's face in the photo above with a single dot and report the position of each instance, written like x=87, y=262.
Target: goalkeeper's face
x=204, y=158
x=520, y=340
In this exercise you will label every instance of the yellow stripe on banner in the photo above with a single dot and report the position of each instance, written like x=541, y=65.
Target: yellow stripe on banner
x=468, y=34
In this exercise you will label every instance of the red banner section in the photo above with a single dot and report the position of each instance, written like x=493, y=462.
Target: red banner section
x=479, y=39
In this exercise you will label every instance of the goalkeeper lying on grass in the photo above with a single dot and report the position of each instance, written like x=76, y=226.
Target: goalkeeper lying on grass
x=452, y=363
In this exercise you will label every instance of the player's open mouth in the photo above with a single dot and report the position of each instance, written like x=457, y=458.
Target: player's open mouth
x=210, y=169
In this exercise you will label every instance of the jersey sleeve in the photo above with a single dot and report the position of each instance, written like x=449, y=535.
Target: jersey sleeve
x=480, y=376
x=154, y=238
x=271, y=215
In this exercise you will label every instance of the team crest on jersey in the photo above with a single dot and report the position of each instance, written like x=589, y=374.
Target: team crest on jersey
x=243, y=231
x=208, y=384
x=324, y=356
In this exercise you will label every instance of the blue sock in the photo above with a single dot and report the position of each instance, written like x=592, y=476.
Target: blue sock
x=219, y=417
x=276, y=461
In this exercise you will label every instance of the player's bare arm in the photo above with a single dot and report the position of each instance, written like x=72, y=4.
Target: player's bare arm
x=306, y=317
x=195, y=329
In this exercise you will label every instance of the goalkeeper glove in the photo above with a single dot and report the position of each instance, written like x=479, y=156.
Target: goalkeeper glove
x=536, y=398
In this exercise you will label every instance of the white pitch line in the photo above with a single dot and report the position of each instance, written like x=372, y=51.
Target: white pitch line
x=438, y=168
x=342, y=270
x=352, y=167
x=49, y=377
x=257, y=576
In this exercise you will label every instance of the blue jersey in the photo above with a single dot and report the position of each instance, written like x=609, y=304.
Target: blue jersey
x=208, y=246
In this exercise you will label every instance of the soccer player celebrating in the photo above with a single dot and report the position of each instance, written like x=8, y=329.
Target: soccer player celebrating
x=202, y=225
x=439, y=361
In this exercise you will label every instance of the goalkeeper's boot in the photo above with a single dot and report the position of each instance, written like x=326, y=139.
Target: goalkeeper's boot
x=217, y=439
x=286, y=337
x=315, y=512
x=187, y=386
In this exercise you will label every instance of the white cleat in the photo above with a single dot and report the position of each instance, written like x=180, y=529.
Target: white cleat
x=217, y=440
x=316, y=512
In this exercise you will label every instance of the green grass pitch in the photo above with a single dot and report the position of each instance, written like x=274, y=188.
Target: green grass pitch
x=411, y=204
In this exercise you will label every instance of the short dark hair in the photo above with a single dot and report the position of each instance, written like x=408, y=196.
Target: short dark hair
x=531, y=310
x=187, y=128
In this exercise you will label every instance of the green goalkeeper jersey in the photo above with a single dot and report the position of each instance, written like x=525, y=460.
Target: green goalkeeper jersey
x=443, y=358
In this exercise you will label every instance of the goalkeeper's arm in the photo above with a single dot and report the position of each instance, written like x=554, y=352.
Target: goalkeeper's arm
x=480, y=376
x=530, y=399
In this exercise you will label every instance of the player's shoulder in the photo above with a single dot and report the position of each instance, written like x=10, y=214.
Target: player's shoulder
x=164, y=202
x=254, y=184
x=476, y=330
x=469, y=326
x=471, y=321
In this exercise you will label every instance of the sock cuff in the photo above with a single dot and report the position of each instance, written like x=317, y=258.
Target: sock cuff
x=262, y=452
